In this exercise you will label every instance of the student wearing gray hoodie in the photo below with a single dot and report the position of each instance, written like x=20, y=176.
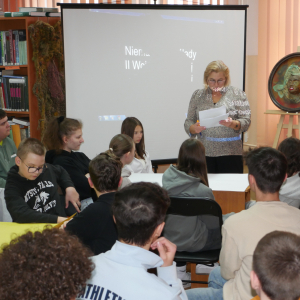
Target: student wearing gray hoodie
x=189, y=179
x=289, y=191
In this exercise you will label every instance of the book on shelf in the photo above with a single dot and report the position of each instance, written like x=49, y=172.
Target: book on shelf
x=21, y=121
x=38, y=9
x=53, y=14
x=24, y=14
x=16, y=134
x=14, y=91
x=22, y=47
x=19, y=132
x=13, y=48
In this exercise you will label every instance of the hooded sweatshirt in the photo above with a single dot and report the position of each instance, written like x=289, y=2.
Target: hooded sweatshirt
x=188, y=233
x=290, y=192
x=36, y=201
x=121, y=273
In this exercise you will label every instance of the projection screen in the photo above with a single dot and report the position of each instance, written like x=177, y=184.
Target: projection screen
x=145, y=61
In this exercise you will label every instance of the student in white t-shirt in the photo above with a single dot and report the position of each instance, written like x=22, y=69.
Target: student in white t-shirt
x=141, y=162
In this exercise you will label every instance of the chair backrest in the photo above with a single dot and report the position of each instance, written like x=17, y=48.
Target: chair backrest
x=193, y=206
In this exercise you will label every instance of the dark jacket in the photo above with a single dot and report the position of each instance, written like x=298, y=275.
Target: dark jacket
x=77, y=165
x=95, y=226
x=36, y=201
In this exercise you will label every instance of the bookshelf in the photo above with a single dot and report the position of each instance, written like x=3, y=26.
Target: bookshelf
x=18, y=23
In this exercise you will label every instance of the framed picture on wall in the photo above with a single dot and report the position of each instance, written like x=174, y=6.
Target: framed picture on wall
x=284, y=83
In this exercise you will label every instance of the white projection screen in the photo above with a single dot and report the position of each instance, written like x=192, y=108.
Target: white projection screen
x=145, y=61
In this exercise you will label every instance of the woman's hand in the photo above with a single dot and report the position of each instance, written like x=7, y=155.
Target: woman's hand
x=196, y=128
x=236, y=125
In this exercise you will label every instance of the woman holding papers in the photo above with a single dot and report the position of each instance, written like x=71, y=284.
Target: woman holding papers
x=220, y=130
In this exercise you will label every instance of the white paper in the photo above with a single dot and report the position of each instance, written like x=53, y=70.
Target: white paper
x=211, y=117
x=212, y=112
x=213, y=122
x=217, y=182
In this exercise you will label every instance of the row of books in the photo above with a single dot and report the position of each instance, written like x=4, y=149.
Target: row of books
x=30, y=14
x=13, y=50
x=14, y=93
x=19, y=132
x=33, y=12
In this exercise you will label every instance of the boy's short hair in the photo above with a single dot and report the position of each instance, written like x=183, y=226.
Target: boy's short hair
x=2, y=114
x=276, y=262
x=269, y=167
x=44, y=265
x=138, y=209
x=30, y=145
x=105, y=172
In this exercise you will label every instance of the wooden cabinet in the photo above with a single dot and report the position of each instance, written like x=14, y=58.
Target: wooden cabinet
x=18, y=23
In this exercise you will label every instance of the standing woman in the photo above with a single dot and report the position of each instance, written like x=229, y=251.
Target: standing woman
x=141, y=162
x=63, y=136
x=223, y=145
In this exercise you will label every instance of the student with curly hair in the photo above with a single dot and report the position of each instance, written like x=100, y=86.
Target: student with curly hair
x=44, y=265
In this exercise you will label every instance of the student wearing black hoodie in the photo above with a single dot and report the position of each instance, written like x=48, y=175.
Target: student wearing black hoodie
x=95, y=226
x=31, y=191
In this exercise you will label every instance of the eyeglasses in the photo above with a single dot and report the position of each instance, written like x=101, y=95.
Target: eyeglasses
x=34, y=169
x=212, y=81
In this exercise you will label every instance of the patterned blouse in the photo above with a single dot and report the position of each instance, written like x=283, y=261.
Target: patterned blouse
x=220, y=141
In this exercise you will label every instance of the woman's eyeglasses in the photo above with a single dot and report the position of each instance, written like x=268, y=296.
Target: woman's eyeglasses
x=212, y=81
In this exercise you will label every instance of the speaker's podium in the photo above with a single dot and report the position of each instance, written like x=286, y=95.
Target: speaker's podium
x=289, y=126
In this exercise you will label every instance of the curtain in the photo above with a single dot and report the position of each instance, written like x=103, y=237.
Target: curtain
x=278, y=36
x=13, y=5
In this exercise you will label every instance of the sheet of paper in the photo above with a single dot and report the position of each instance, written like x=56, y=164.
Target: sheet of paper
x=211, y=117
x=212, y=112
x=213, y=122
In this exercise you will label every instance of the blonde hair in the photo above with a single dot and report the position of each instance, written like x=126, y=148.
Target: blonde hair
x=216, y=66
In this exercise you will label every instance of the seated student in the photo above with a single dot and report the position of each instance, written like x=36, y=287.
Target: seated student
x=242, y=231
x=290, y=192
x=276, y=267
x=189, y=179
x=123, y=147
x=95, y=226
x=31, y=191
x=139, y=211
x=43, y=265
x=8, y=149
x=63, y=138
x=141, y=162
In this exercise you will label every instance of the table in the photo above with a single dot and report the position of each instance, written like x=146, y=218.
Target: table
x=231, y=191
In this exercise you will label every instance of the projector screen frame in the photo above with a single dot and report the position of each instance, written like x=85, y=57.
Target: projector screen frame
x=155, y=6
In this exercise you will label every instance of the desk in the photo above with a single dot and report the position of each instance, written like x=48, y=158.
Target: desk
x=231, y=191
